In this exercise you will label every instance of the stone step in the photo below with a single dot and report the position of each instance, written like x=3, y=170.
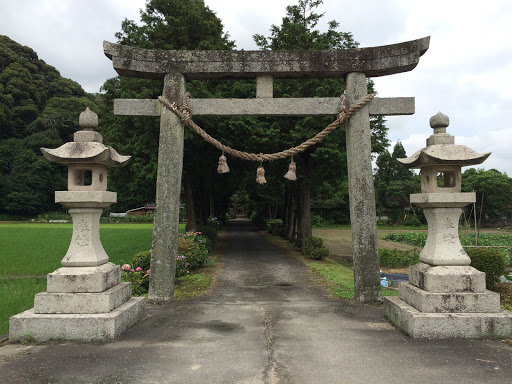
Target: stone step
x=84, y=279
x=76, y=327
x=429, y=302
x=102, y=302
x=446, y=325
x=447, y=279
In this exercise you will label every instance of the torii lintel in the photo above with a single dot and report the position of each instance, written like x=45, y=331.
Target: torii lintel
x=373, y=61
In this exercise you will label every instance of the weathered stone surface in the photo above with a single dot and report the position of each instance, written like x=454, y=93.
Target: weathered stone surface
x=443, y=245
x=429, y=302
x=76, y=327
x=84, y=279
x=264, y=86
x=168, y=188
x=85, y=249
x=266, y=107
x=88, y=119
x=85, y=136
x=85, y=199
x=102, y=302
x=447, y=279
x=85, y=152
x=441, y=149
x=77, y=175
x=443, y=199
x=374, y=61
x=446, y=325
x=362, y=195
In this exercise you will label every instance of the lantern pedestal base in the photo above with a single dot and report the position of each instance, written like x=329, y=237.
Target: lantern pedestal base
x=81, y=304
x=76, y=327
x=448, y=301
x=446, y=325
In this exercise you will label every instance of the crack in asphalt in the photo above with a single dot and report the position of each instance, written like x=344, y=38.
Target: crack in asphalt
x=275, y=372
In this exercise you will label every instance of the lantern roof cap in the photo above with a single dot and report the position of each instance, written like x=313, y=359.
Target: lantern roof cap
x=87, y=147
x=442, y=150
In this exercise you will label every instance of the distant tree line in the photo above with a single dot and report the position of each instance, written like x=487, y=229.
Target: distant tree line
x=394, y=183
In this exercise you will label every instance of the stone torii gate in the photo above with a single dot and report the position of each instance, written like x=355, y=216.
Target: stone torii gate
x=352, y=65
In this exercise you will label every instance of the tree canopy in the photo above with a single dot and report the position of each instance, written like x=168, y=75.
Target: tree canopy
x=38, y=108
x=493, y=193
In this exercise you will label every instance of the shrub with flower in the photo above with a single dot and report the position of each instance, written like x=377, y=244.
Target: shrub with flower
x=193, y=250
x=138, y=278
x=215, y=222
x=182, y=266
x=195, y=247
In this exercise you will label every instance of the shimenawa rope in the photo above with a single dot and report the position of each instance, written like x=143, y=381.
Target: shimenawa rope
x=185, y=115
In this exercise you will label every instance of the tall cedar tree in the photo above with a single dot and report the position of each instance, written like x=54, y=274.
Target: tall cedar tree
x=170, y=25
x=322, y=170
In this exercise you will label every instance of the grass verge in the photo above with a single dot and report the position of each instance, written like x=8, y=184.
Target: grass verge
x=197, y=283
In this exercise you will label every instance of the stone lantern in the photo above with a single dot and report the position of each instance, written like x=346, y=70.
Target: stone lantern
x=445, y=296
x=85, y=299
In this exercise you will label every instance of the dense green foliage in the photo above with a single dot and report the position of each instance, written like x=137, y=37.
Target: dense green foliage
x=493, y=194
x=142, y=260
x=275, y=227
x=192, y=254
x=314, y=248
x=489, y=261
x=38, y=108
x=210, y=232
x=393, y=185
x=394, y=258
x=169, y=24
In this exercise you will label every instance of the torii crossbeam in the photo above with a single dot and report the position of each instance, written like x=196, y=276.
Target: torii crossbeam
x=353, y=65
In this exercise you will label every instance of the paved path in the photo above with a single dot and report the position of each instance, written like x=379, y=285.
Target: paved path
x=263, y=323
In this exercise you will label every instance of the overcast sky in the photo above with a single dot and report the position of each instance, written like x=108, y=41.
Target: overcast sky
x=465, y=74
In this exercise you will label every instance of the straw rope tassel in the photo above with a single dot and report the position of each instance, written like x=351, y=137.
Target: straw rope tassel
x=291, y=174
x=260, y=174
x=223, y=164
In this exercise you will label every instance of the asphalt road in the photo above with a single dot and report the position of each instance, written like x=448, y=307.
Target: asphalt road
x=264, y=322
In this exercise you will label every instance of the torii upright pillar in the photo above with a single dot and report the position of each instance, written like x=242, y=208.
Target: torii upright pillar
x=168, y=186
x=354, y=65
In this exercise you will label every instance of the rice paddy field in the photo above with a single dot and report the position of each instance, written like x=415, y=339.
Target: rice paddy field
x=29, y=251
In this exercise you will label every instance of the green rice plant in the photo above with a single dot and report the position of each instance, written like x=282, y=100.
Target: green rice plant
x=17, y=295
x=37, y=249
x=32, y=249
